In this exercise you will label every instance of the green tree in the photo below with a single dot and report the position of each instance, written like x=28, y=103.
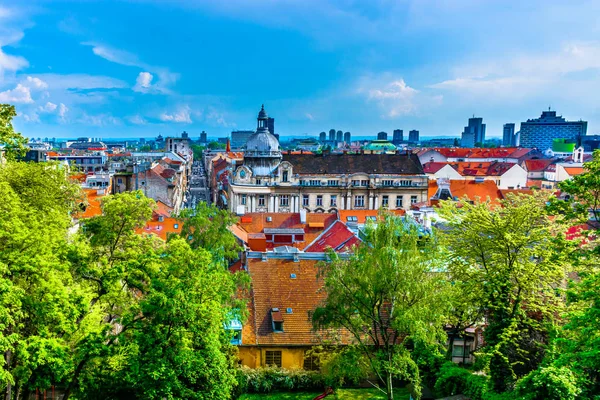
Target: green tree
x=39, y=301
x=514, y=259
x=207, y=227
x=387, y=295
x=13, y=142
x=198, y=150
x=216, y=146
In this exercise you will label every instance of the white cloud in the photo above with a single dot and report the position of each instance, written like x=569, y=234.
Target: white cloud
x=98, y=120
x=394, y=97
x=529, y=75
x=137, y=119
x=11, y=63
x=62, y=112
x=182, y=115
x=36, y=83
x=20, y=94
x=49, y=107
x=165, y=77
x=80, y=81
x=143, y=83
x=309, y=117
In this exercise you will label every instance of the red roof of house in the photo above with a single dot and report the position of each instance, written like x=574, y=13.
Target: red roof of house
x=161, y=228
x=470, y=168
x=315, y=224
x=536, y=165
x=337, y=237
x=433, y=166
x=501, y=152
x=574, y=170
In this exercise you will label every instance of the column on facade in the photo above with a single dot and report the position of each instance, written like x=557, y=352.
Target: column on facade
x=252, y=203
x=276, y=207
x=376, y=203
x=271, y=203
x=341, y=201
x=296, y=203
x=370, y=202
x=349, y=202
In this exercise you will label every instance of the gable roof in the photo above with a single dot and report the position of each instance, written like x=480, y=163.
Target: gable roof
x=537, y=165
x=337, y=237
x=354, y=163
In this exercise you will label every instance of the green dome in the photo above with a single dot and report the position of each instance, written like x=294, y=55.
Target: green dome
x=380, y=145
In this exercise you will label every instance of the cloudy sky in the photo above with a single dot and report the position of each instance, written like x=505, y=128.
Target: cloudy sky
x=138, y=68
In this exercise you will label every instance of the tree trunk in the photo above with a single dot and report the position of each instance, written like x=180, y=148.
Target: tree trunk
x=7, y=361
x=390, y=386
x=74, y=379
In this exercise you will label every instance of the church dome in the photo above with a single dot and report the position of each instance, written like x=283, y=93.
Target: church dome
x=262, y=142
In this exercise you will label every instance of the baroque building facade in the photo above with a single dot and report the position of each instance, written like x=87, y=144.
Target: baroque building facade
x=271, y=180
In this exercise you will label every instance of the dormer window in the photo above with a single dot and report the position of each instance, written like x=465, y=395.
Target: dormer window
x=284, y=177
x=277, y=320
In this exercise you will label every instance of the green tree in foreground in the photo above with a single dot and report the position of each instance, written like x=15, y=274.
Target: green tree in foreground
x=512, y=256
x=13, y=143
x=387, y=295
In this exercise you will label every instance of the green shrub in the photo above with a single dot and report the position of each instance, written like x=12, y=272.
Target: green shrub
x=477, y=387
x=268, y=379
x=550, y=383
x=451, y=380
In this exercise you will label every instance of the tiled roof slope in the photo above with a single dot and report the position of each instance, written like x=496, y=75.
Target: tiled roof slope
x=337, y=237
x=273, y=287
x=353, y=163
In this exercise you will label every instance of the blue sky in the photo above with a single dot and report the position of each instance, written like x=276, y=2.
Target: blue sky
x=140, y=68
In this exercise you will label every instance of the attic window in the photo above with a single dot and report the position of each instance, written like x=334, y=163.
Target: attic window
x=293, y=276
x=277, y=320
x=289, y=310
x=352, y=219
x=176, y=226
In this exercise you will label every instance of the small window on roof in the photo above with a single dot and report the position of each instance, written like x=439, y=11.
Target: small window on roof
x=277, y=320
x=176, y=226
x=289, y=310
x=293, y=276
x=352, y=219
x=371, y=218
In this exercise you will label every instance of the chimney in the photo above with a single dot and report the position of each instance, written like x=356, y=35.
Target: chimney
x=303, y=216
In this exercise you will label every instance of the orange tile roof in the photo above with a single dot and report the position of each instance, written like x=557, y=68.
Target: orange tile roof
x=473, y=190
x=574, y=170
x=274, y=287
x=161, y=228
x=239, y=232
x=93, y=207
x=163, y=209
x=471, y=168
x=501, y=152
x=361, y=215
x=337, y=237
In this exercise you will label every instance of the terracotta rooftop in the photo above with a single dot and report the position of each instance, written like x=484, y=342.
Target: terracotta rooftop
x=161, y=228
x=473, y=190
x=471, y=168
x=501, y=152
x=538, y=165
x=351, y=163
x=93, y=207
x=315, y=224
x=572, y=171
x=282, y=284
x=337, y=237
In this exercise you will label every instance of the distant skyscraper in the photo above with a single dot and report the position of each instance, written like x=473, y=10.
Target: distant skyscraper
x=239, y=138
x=185, y=135
x=398, y=136
x=322, y=136
x=271, y=125
x=474, y=133
x=509, y=139
x=347, y=137
x=332, y=135
x=541, y=131
x=339, y=136
x=413, y=136
x=203, y=137
x=382, y=136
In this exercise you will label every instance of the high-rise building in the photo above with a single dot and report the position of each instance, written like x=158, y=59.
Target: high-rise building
x=239, y=138
x=540, y=132
x=347, y=137
x=474, y=133
x=332, y=135
x=509, y=138
x=398, y=136
x=271, y=125
x=413, y=136
x=322, y=136
x=339, y=136
x=185, y=135
x=203, y=137
x=382, y=136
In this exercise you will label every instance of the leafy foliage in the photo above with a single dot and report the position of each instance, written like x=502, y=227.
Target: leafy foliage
x=512, y=257
x=13, y=142
x=387, y=292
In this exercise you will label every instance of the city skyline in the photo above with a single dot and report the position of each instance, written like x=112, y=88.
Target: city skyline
x=83, y=70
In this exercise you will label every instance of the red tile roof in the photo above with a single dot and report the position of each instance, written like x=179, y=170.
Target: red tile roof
x=161, y=228
x=337, y=237
x=574, y=170
x=473, y=190
x=502, y=152
x=433, y=166
x=470, y=168
x=538, y=165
